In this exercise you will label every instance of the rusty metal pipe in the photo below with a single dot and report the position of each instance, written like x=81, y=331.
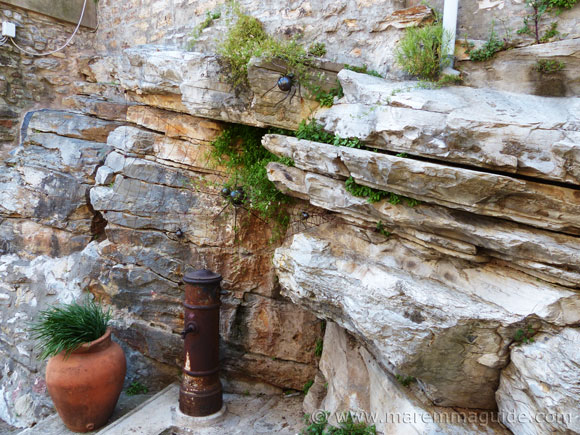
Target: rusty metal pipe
x=201, y=390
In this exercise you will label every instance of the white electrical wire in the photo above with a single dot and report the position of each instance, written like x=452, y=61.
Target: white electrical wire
x=3, y=40
x=58, y=49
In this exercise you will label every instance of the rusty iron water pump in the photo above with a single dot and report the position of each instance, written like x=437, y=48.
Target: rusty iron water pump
x=201, y=390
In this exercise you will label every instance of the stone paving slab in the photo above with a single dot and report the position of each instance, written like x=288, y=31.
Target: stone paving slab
x=245, y=414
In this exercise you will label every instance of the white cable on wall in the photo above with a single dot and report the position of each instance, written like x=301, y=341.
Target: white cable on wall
x=58, y=49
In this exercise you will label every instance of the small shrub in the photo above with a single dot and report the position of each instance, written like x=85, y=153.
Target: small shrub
x=135, y=388
x=547, y=66
x=420, y=51
x=317, y=49
x=241, y=43
x=239, y=148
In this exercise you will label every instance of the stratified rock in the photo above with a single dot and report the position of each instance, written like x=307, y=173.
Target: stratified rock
x=69, y=124
x=354, y=381
x=516, y=70
x=198, y=84
x=541, y=205
x=482, y=128
x=557, y=256
x=396, y=296
x=538, y=391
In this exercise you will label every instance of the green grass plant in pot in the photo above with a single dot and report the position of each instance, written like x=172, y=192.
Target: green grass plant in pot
x=86, y=370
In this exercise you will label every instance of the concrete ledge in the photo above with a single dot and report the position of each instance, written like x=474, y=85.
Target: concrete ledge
x=64, y=10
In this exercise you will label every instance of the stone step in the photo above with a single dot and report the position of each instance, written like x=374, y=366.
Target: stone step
x=53, y=425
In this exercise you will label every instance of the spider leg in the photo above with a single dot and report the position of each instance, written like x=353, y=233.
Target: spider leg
x=269, y=90
x=221, y=211
x=254, y=214
x=293, y=93
x=283, y=99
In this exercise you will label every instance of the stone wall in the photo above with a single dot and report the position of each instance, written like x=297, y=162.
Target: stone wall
x=27, y=82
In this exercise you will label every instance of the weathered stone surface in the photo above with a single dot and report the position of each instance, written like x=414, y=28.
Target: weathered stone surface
x=516, y=70
x=175, y=125
x=528, y=135
x=70, y=124
x=355, y=381
x=396, y=296
x=403, y=18
x=521, y=246
x=541, y=205
x=197, y=84
x=538, y=391
x=275, y=328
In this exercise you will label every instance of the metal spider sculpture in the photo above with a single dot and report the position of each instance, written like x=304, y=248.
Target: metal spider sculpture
x=289, y=84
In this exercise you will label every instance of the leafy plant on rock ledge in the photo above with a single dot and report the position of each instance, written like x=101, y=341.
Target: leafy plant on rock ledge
x=421, y=50
x=239, y=149
x=549, y=66
x=489, y=49
x=247, y=38
x=318, y=425
x=533, y=21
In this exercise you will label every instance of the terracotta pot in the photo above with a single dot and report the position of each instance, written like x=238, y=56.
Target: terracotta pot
x=85, y=386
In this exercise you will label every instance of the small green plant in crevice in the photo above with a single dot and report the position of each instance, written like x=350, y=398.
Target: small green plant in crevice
x=421, y=51
x=315, y=132
x=318, y=425
x=307, y=386
x=405, y=381
x=552, y=32
x=210, y=17
x=136, y=388
x=375, y=195
x=239, y=149
x=548, y=66
x=364, y=70
x=489, y=49
x=381, y=229
x=318, y=347
x=524, y=335
x=317, y=49
x=65, y=328
x=326, y=98
x=533, y=21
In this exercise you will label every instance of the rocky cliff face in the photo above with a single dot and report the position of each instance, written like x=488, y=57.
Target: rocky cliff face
x=453, y=304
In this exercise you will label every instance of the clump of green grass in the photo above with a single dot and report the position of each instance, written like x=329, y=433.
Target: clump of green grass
x=241, y=43
x=315, y=132
x=421, y=51
x=65, y=328
x=318, y=347
x=364, y=70
x=135, y=388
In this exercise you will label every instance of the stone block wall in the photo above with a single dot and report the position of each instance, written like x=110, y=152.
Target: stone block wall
x=27, y=82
